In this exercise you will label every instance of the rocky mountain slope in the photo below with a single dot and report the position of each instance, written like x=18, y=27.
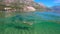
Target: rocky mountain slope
x=20, y=4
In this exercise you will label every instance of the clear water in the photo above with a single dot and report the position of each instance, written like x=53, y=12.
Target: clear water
x=43, y=23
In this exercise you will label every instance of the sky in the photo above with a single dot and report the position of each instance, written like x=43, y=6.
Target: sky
x=48, y=3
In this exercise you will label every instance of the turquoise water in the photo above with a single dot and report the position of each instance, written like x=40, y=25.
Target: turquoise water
x=43, y=23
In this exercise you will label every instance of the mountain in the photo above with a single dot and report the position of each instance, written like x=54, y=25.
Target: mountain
x=20, y=4
x=56, y=9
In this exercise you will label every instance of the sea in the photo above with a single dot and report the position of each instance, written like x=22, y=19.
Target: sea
x=42, y=23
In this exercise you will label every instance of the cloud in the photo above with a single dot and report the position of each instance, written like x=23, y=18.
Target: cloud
x=56, y=1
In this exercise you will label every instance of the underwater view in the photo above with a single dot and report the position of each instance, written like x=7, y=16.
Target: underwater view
x=29, y=17
x=36, y=23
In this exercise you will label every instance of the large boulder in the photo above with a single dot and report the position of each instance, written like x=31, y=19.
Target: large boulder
x=29, y=8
